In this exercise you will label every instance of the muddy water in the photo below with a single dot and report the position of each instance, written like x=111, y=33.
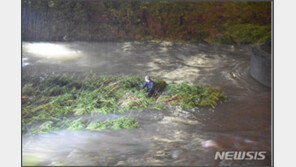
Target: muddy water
x=172, y=137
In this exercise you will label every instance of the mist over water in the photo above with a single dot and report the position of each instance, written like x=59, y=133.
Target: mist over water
x=172, y=137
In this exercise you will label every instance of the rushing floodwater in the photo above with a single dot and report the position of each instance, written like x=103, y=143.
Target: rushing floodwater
x=172, y=137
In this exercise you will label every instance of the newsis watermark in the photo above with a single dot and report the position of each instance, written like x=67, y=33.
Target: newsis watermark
x=240, y=155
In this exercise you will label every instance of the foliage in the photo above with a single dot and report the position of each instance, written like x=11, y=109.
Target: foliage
x=213, y=22
x=246, y=33
x=191, y=96
x=45, y=127
x=120, y=123
x=76, y=125
x=54, y=99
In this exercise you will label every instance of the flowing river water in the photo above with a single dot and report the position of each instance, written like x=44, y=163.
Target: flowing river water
x=172, y=137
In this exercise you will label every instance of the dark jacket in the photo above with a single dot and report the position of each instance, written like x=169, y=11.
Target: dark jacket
x=149, y=85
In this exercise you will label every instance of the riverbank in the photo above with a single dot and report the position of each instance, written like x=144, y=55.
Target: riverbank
x=235, y=23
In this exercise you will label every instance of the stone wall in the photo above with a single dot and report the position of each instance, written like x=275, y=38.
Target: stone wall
x=260, y=65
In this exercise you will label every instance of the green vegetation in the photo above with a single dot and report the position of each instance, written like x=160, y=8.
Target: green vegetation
x=120, y=123
x=45, y=127
x=191, y=96
x=76, y=125
x=212, y=22
x=30, y=160
x=54, y=99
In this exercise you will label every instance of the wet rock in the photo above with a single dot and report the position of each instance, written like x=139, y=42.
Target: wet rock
x=210, y=144
x=121, y=163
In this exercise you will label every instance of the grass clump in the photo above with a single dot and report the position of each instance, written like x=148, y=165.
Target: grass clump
x=76, y=125
x=45, y=127
x=191, y=96
x=120, y=123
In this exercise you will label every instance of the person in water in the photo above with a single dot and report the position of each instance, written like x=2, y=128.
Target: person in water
x=149, y=84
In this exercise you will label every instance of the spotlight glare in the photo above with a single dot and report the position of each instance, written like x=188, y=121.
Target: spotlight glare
x=51, y=51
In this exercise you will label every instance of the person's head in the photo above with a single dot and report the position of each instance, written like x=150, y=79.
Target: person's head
x=147, y=78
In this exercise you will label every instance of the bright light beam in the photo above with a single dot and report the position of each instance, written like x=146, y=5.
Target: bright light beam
x=51, y=51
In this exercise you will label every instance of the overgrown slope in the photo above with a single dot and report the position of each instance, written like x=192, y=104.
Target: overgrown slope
x=212, y=22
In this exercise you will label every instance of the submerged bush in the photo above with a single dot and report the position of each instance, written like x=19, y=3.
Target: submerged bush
x=120, y=123
x=45, y=127
x=191, y=96
x=76, y=125
x=56, y=98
